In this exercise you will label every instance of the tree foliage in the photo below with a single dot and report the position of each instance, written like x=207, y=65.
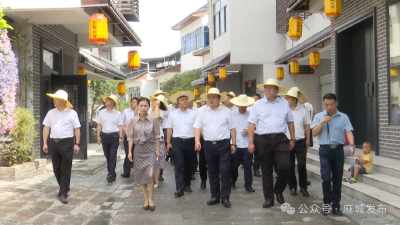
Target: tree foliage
x=181, y=81
x=101, y=87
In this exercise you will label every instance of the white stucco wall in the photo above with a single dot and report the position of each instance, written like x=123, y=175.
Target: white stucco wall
x=192, y=27
x=191, y=62
x=163, y=78
x=206, y=59
x=147, y=87
x=221, y=44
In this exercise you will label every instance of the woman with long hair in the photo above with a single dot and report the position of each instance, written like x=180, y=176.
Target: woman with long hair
x=144, y=131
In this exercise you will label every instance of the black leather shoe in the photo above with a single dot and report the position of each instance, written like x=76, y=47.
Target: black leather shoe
x=257, y=174
x=250, y=189
x=203, y=185
x=172, y=162
x=126, y=175
x=187, y=189
x=193, y=178
x=304, y=192
x=179, y=193
x=110, y=179
x=146, y=207
x=161, y=178
x=280, y=198
x=233, y=185
x=268, y=204
x=152, y=208
x=308, y=183
x=293, y=191
x=59, y=195
x=214, y=201
x=337, y=212
x=324, y=211
x=226, y=203
x=64, y=199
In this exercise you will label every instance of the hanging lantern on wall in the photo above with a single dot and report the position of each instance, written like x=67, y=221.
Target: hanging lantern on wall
x=196, y=92
x=133, y=60
x=81, y=71
x=280, y=73
x=333, y=9
x=89, y=82
x=208, y=86
x=394, y=72
x=294, y=68
x=211, y=78
x=295, y=28
x=222, y=73
x=121, y=89
x=98, y=30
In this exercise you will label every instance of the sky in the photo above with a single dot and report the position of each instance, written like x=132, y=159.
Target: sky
x=154, y=29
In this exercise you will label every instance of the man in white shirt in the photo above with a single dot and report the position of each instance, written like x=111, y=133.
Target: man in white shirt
x=64, y=124
x=109, y=133
x=242, y=155
x=180, y=127
x=302, y=130
x=227, y=102
x=310, y=112
x=256, y=158
x=272, y=116
x=218, y=129
x=127, y=115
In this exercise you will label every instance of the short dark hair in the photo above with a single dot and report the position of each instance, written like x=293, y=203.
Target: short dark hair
x=135, y=98
x=368, y=143
x=329, y=96
x=256, y=94
x=144, y=99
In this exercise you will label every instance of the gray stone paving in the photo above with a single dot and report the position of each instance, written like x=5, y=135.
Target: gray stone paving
x=94, y=201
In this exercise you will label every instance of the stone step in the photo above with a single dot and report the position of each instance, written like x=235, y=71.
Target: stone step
x=375, y=179
x=365, y=193
x=382, y=165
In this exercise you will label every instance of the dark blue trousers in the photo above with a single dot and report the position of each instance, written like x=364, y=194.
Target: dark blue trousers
x=183, y=152
x=110, y=147
x=256, y=163
x=218, y=156
x=332, y=161
x=127, y=163
x=241, y=155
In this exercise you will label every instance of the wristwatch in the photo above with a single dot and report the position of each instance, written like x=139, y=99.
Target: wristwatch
x=78, y=144
x=234, y=145
x=293, y=140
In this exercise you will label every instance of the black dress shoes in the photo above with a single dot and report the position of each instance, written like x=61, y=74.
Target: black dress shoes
x=110, y=179
x=226, y=203
x=257, y=174
x=280, y=198
x=179, y=193
x=161, y=178
x=324, y=211
x=152, y=208
x=213, y=201
x=64, y=199
x=126, y=175
x=187, y=189
x=203, y=184
x=337, y=212
x=146, y=207
x=304, y=192
x=308, y=183
x=293, y=191
x=268, y=204
x=233, y=185
x=250, y=189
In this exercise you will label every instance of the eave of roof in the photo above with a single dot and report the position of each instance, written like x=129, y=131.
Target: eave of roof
x=202, y=11
x=223, y=60
x=202, y=51
x=101, y=65
x=172, y=69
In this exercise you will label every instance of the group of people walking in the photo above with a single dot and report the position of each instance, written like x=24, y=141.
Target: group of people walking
x=271, y=132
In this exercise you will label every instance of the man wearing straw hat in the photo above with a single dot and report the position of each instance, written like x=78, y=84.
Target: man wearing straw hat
x=272, y=116
x=180, y=127
x=227, y=102
x=64, y=124
x=218, y=129
x=302, y=130
x=239, y=118
x=109, y=133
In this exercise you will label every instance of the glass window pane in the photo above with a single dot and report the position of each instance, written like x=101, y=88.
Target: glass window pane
x=217, y=7
x=223, y=23
x=48, y=59
x=223, y=3
x=394, y=31
x=216, y=25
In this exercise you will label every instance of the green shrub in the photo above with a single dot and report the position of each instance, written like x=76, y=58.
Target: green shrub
x=23, y=134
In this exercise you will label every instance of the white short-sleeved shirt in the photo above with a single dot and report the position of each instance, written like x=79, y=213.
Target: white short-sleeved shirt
x=127, y=115
x=63, y=123
x=271, y=117
x=109, y=120
x=300, y=119
x=240, y=122
x=309, y=110
x=216, y=124
x=182, y=123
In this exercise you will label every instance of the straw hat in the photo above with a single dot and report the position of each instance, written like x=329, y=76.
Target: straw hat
x=273, y=82
x=188, y=94
x=214, y=91
x=242, y=100
x=302, y=93
x=61, y=95
x=112, y=97
x=293, y=93
x=161, y=98
x=229, y=93
x=157, y=92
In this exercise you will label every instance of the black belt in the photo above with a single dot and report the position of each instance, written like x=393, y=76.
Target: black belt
x=332, y=146
x=272, y=135
x=300, y=140
x=216, y=142
x=112, y=133
x=56, y=140
x=183, y=139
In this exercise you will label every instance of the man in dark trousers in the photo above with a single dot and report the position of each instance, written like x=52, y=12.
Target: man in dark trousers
x=218, y=129
x=127, y=115
x=272, y=116
x=180, y=127
x=331, y=126
x=64, y=124
x=109, y=133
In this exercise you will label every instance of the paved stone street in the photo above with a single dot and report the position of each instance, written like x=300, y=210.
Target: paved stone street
x=94, y=201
